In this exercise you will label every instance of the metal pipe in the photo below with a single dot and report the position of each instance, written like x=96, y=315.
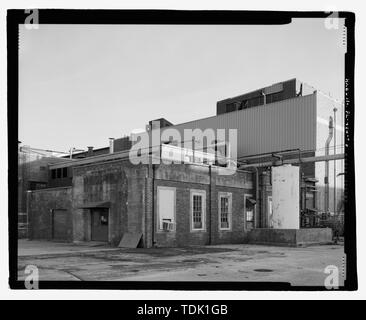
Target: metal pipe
x=335, y=163
x=326, y=174
x=111, y=145
x=264, y=98
x=338, y=156
x=210, y=207
x=153, y=206
x=256, y=194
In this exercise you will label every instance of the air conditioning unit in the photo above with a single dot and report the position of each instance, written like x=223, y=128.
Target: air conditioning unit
x=168, y=226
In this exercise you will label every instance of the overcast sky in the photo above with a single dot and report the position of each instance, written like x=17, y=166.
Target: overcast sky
x=81, y=84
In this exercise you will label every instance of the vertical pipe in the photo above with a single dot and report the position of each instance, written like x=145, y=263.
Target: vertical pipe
x=153, y=206
x=335, y=163
x=210, y=206
x=326, y=175
x=256, y=215
x=111, y=145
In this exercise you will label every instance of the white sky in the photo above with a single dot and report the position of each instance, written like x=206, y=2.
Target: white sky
x=80, y=84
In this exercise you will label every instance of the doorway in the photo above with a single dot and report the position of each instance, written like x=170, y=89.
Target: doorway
x=99, y=224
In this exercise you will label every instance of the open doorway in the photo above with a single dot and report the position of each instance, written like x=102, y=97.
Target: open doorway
x=99, y=224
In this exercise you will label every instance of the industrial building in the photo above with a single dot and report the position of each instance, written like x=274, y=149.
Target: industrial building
x=289, y=174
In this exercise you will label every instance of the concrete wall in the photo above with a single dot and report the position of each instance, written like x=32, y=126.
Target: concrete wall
x=285, y=197
x=289, y=237
x=32, y=174
x=40, y=206
x=119, y=183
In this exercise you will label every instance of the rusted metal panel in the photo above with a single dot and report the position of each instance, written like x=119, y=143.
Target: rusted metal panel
x=283, y=125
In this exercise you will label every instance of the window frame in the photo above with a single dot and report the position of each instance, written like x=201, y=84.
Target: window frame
x=247, y=196
x=228, y=195
x=157, y=224
x=202, y=194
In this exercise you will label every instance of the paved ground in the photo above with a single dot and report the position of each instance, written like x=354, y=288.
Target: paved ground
x=299, y=266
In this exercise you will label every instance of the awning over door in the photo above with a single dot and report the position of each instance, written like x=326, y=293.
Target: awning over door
x=250, y=201
x=98, y=204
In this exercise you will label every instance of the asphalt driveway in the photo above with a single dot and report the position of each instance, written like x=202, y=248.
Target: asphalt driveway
x=97, y=261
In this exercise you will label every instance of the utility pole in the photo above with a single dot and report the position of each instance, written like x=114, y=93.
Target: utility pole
x=335, y=161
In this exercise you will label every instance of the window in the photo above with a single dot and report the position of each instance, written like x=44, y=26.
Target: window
x=53, y=173
x=249, y=204
x=59, y=173
x=225, y=204
x=166, y=209
x=64, y=172
x=198, y=210
x=270, y=213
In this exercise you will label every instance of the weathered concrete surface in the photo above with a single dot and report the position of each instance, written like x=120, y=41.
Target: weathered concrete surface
x=285, y=197
x=40, y=206
x=118, y=183
x=36, y=248
x=289, y=237
x=298, y=266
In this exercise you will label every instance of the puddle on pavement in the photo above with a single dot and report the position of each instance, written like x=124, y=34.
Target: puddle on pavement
x=263, y=270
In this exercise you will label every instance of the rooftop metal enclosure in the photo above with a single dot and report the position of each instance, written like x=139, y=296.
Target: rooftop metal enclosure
x=282, y=125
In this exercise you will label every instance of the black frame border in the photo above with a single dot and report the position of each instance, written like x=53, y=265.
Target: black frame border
x=184, y=17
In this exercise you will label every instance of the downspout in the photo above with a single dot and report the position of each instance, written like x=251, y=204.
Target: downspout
x=256, y=196
x=210, y=206
x=264, y=98
x=326, y=176
x=153, y=206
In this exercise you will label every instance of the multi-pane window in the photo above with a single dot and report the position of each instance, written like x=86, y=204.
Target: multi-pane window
x=197, y=212
x=225, y=211
x=198, y=198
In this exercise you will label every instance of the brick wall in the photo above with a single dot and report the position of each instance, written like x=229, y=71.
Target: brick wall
x=119, y=183
x=187, y=178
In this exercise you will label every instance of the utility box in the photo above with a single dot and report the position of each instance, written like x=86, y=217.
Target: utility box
x=285, y=197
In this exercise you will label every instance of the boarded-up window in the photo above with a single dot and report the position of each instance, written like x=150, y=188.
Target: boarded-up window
x=166, y=208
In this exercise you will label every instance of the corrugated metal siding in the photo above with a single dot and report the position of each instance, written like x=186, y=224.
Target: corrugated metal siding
x=277, y=126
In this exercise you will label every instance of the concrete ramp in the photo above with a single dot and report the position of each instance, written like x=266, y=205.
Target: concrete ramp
x=130, y=240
